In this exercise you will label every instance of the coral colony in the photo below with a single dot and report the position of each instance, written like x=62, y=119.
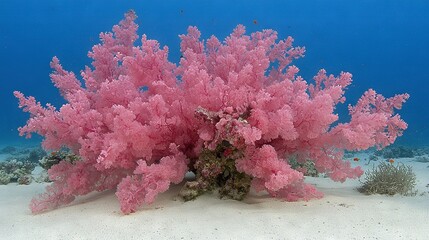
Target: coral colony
x=232, y=112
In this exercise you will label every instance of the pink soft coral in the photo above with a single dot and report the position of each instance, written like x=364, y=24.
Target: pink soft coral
x=140, y=123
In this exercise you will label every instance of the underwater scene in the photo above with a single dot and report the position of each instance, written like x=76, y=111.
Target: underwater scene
x=214, y=119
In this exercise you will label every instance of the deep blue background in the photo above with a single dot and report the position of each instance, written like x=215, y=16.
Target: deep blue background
x=383, y=43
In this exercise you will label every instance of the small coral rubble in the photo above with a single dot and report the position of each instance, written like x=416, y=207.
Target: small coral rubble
x=216, y=169
x=232, y=111
x=56, y=157
x=16, y=171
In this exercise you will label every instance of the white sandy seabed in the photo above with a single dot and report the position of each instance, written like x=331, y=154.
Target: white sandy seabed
x=343, y=213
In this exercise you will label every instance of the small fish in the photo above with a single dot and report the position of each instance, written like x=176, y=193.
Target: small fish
x=391, y=160
x=255, y=21
x=355, y=159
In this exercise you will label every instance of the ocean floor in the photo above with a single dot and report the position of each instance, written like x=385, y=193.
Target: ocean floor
x=343, y=213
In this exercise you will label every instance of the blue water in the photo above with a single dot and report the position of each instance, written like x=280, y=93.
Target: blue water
x=383, y=43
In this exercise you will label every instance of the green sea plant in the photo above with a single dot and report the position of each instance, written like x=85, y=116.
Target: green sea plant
x=389, y=179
